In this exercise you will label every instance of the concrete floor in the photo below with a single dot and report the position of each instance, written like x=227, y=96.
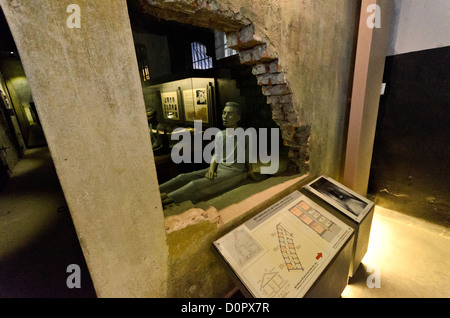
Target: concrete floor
x=407, y=257
x=37, y=237
x=411, y=256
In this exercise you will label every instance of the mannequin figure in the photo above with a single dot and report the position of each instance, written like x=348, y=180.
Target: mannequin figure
x=221, y=175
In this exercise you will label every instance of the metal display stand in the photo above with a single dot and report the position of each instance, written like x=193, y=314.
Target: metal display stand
x=351, y=208
x=293, y=249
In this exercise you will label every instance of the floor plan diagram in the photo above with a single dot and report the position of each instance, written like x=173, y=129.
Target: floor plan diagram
x=287, y=248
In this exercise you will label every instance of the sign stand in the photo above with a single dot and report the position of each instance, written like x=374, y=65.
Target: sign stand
x=293, y=249
x=348, y=206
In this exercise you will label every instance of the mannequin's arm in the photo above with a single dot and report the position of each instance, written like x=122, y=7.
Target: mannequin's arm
x=211, y=174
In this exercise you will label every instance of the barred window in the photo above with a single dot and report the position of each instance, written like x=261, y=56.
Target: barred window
x=200, y=59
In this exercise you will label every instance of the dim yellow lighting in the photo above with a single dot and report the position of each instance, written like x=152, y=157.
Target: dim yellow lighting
x=406, y=257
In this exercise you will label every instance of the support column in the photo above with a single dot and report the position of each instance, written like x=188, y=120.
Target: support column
x=369, y=69
x=81, y=65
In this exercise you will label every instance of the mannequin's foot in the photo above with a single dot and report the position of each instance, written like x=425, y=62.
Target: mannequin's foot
x=167, y=201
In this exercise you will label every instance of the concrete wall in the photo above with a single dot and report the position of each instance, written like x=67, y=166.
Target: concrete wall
x=87, y=91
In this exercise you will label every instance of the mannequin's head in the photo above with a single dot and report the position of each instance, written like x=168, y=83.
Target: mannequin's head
x=231, y=115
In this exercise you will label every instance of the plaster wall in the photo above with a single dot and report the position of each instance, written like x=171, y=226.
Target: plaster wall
x=419, y=25
x=315, y=44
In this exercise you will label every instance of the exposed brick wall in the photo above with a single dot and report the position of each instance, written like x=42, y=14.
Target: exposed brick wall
x=270, y=75
x=253, y=51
